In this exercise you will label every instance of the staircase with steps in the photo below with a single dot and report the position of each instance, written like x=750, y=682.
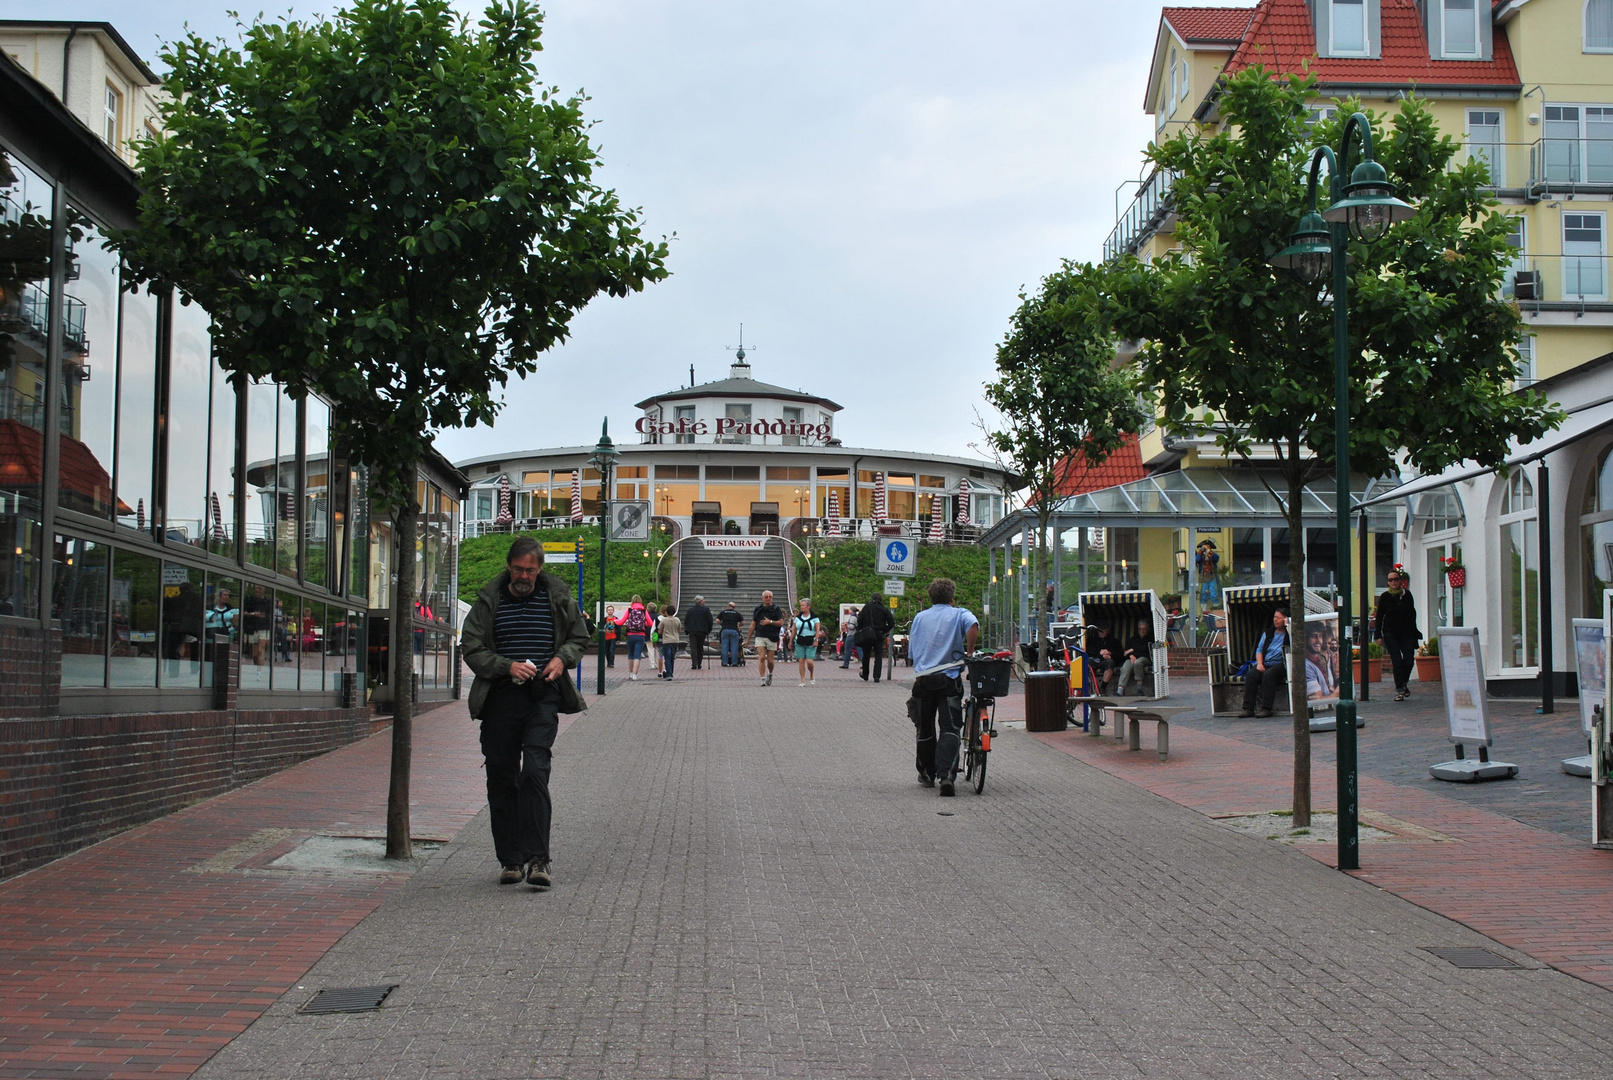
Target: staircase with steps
x=705, y=573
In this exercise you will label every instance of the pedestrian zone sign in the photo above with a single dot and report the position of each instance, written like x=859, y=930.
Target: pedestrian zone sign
x=630, y=521
x=895, y=557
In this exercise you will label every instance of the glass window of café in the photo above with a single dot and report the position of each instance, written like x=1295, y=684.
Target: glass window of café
x=735, y=487
x=677, y=489
x=901, y=504
x=836, y=482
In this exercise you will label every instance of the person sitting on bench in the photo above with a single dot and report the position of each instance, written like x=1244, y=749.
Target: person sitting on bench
x=1101, y=650
x=1139, y=658
x=1270, y=671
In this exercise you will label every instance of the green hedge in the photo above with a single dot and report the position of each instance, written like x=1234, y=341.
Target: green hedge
x=845, y=574
x=627, y=570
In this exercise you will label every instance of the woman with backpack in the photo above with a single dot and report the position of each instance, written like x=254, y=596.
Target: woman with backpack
x=806, y=631
x=636, y=632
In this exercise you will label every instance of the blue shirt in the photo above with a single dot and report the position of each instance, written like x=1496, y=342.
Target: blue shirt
x=937, y=639
x=1272, y=646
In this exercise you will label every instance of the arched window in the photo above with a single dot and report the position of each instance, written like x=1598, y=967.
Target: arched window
x=1596, y=536
x=1599, y=25
x=1520, y=574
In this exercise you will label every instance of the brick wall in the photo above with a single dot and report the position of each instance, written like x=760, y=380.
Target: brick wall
x=1188, y=662
x=30, y=669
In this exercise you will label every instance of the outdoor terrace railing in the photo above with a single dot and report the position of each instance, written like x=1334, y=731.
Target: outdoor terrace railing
x=1538, y=280
x=1147, y=212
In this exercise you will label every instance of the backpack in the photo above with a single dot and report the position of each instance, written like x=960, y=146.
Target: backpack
x=637, y=621
x=804, y=630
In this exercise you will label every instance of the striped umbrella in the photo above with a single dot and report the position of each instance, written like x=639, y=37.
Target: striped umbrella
x=834, y=513
x=576, y=494
x=504, y=515
x=218, y=520
x=140, y=514
x=879, y=496
x=936, y=534
x=963, y=501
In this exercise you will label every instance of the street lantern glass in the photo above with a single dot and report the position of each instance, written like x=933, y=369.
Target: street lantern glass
x=1369, y=205
x=1309, y=253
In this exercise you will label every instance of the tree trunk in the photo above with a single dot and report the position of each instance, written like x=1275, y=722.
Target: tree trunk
x=403, y=598
x=1295, y=474
x=1042, y=606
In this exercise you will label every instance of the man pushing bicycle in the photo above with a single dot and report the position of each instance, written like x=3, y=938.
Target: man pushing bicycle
x=941, y=636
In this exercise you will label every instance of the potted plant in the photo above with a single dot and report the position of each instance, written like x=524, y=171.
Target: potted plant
x=1374, y=662
x=733, y=578
x=1428, y=661
x=1455, y=573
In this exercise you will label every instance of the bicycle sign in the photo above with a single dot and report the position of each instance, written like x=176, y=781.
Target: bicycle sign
x=894, y=558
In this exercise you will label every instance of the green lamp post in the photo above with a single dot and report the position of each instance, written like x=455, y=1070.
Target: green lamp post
x=603, y=459
x=1364, y=208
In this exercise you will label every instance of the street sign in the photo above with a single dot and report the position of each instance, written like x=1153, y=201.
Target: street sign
x=630, y=521
x=895, y=587
x=893, y=601
x=553, y=547
x=894, y=557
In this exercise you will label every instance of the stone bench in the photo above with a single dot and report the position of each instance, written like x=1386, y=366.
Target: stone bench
x=1134, y=715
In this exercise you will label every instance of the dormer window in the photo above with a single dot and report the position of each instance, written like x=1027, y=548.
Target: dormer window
x=1599, y=26
x=1349, y=28
x=1460, y=27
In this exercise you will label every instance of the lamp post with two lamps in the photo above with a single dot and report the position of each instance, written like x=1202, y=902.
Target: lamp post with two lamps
x=1364, y=208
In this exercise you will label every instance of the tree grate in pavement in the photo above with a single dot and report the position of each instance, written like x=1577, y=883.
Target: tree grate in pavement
x=347, y=999
x=1473, y=958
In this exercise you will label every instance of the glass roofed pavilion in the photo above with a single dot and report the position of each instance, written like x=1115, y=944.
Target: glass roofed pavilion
x=1150, y=533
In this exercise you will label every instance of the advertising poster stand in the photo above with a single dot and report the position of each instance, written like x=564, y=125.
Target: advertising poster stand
x=1590, y=661
x=1462, y=670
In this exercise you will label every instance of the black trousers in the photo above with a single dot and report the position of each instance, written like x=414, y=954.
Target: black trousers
x=1402, y=656
x=519, y=725
x=936, y=709
x=1265, y=684
x=697, y=650
x=875, y=651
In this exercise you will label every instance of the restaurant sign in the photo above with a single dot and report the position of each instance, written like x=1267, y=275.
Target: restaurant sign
x=734, y=543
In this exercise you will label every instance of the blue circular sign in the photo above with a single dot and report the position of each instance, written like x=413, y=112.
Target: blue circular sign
x=896, y=551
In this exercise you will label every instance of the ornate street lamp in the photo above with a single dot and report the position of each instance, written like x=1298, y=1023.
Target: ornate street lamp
x=603, y=459
x=1363, y=208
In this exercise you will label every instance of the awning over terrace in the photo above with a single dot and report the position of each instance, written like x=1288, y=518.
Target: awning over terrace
x=1231, y=498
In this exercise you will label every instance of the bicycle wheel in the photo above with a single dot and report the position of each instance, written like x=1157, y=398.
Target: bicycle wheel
x=971, y=745
x=979, y=775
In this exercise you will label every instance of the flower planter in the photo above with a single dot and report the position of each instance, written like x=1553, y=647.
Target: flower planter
x=1428, y=669
x=733, y=579
x=1456, y=578
x=1374, y=670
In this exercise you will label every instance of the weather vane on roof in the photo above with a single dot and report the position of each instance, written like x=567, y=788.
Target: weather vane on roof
x=739, y=353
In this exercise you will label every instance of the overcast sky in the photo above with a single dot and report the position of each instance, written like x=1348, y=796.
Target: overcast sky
x=866, y=186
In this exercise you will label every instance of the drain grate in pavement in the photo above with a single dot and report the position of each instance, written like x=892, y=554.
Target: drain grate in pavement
x=346, y=999
x=1473, y=958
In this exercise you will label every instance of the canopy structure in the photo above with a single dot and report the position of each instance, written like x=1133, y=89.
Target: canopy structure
x=1230, y=498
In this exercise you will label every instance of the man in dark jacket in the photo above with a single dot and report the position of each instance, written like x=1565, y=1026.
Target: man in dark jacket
x=697, y=624
x=874, y=626
x=522, y=635
x=1396, y=622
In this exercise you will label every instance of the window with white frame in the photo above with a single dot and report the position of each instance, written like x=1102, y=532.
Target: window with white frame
x=1520, y=573
x=112, y=116
x=684, y=415
x=1526, y=361
x=1599, y=25
x=1585, y=256
x=1181, y=91
x=1484, y=142
x=1315, y=114
x=1175, y=75
x=1518, y=239
x=1579, y=144
x=1460, y=28
x=1348, y=28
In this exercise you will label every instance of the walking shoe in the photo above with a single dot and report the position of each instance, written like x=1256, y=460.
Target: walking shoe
x=762, y=681
x=947, y=790
x=634, y=676
x=864, y=676
x=801, y=685
x=511, y=875
x=1263, y=714
x=926, y=780
x=1246, y=714
x=769, y=681
x=537, y=874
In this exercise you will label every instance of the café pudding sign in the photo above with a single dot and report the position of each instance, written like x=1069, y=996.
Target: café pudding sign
x=727, y=426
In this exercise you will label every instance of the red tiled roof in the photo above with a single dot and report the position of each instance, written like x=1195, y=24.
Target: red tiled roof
x=1120, y=467
x=81, y=475
x=1208, y=24
x=1282, y=37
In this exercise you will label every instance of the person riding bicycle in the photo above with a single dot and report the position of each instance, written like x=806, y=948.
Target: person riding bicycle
x=941, y=636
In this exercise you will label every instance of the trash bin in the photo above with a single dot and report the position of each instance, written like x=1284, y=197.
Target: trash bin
x=1045, y=694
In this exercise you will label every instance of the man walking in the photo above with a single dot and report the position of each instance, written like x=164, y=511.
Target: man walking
x=1395, y=622
x=697, y=625
x=942, y=635
x=521, y=636
x=730, y=618
x=874, y=626
x=765, y=623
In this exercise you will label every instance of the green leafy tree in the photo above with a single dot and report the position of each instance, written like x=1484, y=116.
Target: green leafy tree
x=386, y=208
x=1061, y=404
x=1243, y=350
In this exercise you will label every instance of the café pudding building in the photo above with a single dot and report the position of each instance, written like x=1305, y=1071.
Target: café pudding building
x=741, y=456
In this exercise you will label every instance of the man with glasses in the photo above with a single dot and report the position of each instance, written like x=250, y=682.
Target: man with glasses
x=1395, y=622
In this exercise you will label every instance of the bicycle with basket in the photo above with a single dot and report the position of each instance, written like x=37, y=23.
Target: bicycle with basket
x=987, y=677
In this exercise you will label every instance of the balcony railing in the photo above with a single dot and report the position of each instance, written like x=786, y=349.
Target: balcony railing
x=1538, y=280
x=1143, y=217
x=1546, y=166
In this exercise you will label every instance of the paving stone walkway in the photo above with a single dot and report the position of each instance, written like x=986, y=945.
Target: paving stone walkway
x=750, y=884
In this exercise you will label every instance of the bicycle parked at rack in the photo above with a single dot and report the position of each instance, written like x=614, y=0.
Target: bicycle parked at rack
x=986, y=678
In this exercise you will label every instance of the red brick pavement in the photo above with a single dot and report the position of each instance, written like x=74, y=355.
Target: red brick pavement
x=143, y=955
x=1533, y=890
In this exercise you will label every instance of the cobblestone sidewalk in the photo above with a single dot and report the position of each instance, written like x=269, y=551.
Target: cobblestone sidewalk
x=750, y=884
